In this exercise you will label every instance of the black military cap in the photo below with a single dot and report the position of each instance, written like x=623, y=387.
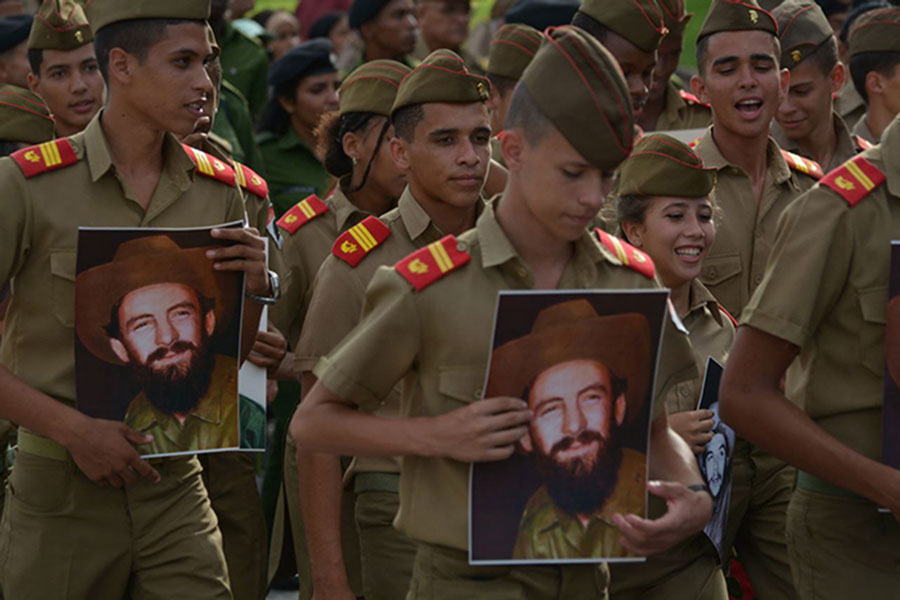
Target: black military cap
x=363, y=11
x=542, y=14
x=14, y=30
x=313, y=57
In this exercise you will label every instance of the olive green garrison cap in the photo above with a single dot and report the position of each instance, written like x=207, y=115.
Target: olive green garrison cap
x=674, y=13
x=372, y=87
x=660, y=165
x=59, y=25
x=441, y=77
x=593, y=110
x=737, y=15
x=802, y=27
x=876, y=31
x=24, y=117
x=101, y=13
x=512, y=48
x=638, y=21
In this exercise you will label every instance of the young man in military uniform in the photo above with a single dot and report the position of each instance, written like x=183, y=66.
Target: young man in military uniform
x=512, y=49
x=436, y=306
x=444, y=24
x=806, y=122
x=631, y=30
x=387, y=28
x=76, y=477
x=738, y=59
x=824, y=297
x=14, y=31
x=440, y=89
x=875, y=69
x=64, y=66
x=669, y=106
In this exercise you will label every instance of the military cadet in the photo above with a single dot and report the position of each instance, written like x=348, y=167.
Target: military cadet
x=244, y=59
x=631, y=30
x=87, y=517
x=874, y=62
x=849, y=104
x=387, y=28
x=444, y=24
x=512, y=49
x=436, y=306
x=24, y=120
x=355, y=141
x=14, y=31
x=452, y=102
x=669, y=105
x=824, y=297
x=304, y=86
x=63, y=65
x=806, y=122
x=663, y=208
x=738, y=60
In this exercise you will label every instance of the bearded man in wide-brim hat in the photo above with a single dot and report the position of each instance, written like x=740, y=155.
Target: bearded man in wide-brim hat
x=155, y=309
x=584, y=376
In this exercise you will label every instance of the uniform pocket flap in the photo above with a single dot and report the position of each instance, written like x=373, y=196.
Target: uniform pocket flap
x=873, y=304
x=62, y=264
x=717, y=269
x=464, y=383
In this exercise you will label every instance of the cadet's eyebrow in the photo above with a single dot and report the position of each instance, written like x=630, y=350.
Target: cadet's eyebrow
x=439, y=132
x=724, y=60
x=763, y=57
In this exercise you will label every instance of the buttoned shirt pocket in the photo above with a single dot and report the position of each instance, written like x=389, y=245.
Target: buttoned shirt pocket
x=721, y=275
x=462, y=384
x=873, y=308
x=62, y=269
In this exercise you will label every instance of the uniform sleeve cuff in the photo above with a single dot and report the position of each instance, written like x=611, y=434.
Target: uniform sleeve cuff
x=774, y=326
x=344, y=386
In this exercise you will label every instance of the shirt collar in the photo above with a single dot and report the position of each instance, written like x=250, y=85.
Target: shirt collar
x=713, y=157
x=701, y=298
x=290, y=140
x=890, y=144
x=414, y=217
x=343, y=208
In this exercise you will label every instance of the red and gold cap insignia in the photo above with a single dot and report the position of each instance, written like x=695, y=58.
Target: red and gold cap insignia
x=302, y=213
x=426, y=265
x=45, y=157
x=854, y=180
x=627, y=254
x=355, y=244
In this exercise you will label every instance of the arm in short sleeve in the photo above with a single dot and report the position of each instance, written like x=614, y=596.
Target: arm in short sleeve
x=381, y=349
x=16, y=221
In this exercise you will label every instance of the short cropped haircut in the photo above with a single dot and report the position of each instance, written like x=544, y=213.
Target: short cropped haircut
x=825, y=56
x=35, y=58
x=406, y=120
x=524, y=114
x=703, y=52
x=134, y=36
x=883, y=63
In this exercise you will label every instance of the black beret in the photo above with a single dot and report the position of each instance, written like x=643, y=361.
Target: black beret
x=542, y=14
x=14, y=30
x=363, y=11
x=313, y=57
x=322, y=26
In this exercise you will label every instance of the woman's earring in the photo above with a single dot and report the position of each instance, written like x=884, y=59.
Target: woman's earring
x=354, y=159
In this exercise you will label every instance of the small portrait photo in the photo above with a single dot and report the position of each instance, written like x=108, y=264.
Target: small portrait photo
x=158, y=337
x=715, y=460
x=890, y=414
x=585, y=364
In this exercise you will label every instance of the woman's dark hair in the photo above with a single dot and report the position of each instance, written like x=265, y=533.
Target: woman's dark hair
x=330, y=133
x=632, y=209
x=274, y=117
x=322, y=26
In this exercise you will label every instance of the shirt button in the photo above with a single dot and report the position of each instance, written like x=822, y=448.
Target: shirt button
x=521, y=271
x=477, y=394
x=758, y=279
x=460, y=247
x=711, y=273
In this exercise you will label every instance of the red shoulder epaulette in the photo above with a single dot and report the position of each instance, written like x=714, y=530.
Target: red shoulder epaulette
x=854, y=179
x=691, y=99
x=695, y=142
x=45, y=157
x=250, y=181
x=627, y=254
x=355, y=244
x=426, y=265
x=302, y=213
x=862, y=143
x=728, y=315
x=804, y=165
x=210, y=166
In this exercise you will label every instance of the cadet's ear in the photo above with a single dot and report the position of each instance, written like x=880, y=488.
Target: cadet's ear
x=621, y=405
x=493, y=102
x=119, y=349
x=286, y=104
x=634, y=233
x=400, y=152
x=121, y=65
x=784, y=84
x=33, y=82
x=838, y=77
x=209, y=322
x=512, y=145
x=698, y=87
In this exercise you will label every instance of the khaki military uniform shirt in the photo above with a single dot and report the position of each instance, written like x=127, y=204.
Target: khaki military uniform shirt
x=212, y=424
x=746, y=231
x=302, y=254
x=825, y=291
x=437, y=343
x=39, y=220
x=337, y=301
x=845, y=150
x=682, y=114
x=548, y=532
x=862, y=130
x=849, y=104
